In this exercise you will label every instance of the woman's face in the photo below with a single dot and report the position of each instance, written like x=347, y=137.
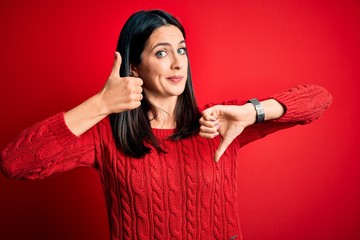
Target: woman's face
x=164, y=64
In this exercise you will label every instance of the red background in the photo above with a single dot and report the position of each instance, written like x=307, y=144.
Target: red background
x=302, y=183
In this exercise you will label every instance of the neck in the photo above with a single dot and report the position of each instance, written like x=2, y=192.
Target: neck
x=165, y=118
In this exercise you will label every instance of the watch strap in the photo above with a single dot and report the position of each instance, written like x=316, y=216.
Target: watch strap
x=260, y=113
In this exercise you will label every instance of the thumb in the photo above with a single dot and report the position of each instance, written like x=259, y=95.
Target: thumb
x=221, y=149
x=117, y=63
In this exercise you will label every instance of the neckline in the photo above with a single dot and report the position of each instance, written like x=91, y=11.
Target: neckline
x=163, y=132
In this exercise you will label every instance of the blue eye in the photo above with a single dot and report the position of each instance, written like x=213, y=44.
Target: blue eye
x=161, y=54
x=182, y=51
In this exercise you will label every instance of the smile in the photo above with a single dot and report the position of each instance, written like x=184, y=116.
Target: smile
x=175, y=79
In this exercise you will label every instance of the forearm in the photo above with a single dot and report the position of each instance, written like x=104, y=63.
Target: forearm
x=118, y=95
x=54, y=145
x=298, y=105
x=86, y=115
x=45, y=148
x=272, y=108
x=303, y=103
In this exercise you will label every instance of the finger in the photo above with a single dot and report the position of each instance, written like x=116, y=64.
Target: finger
x=138, y=89
x=210, y=124
x=207, y=114
x=135, y=97
x=137, y=81
x=208, y=135
x=221, y=149
x=117, y=63
x=135, y=104
x=212, y=130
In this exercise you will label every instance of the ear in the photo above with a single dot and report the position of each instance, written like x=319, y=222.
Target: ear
x=134, y=71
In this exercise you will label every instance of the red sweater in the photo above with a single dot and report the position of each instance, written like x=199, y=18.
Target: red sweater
x=182, y=194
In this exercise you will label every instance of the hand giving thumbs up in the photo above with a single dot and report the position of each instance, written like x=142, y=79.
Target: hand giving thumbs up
x=121, y=93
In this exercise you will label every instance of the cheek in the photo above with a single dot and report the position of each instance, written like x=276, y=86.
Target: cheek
x=154, y=69
x=185, y=63
x=150, y=77
x=145, y=73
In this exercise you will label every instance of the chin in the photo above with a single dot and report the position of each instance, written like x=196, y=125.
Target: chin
x=179, y=92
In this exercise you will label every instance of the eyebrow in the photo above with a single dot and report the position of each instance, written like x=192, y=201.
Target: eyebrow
x=166, y=44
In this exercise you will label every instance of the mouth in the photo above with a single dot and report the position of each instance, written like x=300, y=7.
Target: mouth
x=175, y=79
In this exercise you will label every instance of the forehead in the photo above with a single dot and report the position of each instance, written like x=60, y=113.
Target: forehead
x=165, y=34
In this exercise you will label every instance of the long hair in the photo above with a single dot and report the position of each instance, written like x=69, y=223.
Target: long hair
x=132, y=129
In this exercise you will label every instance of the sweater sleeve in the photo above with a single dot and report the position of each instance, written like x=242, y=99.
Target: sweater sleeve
x=46, y=148
x=303, y=104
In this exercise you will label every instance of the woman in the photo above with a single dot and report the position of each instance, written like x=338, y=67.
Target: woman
x=168, y=169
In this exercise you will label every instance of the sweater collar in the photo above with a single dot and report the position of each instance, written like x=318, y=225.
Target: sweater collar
x=163, y=133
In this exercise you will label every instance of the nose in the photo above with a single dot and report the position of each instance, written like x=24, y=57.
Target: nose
x=177, y=62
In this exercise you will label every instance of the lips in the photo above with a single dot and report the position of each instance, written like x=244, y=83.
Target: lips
x=175, y=79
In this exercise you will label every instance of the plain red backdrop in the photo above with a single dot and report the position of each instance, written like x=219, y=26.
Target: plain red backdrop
x=299, y=184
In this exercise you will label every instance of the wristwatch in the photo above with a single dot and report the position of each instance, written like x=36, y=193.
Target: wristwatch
x=260, y=113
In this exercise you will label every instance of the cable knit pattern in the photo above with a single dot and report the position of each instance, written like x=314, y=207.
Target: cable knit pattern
x=205, y=188
x=190, y=189
x=180, y=194
x=218, y=201
x=174, y=201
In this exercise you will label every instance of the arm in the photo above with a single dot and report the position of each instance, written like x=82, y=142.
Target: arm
x=302, y=104
x=297, y=105
x=229, y=121
x=273, y=109
x=44, y=148
x=118, y=95
x=63, y=142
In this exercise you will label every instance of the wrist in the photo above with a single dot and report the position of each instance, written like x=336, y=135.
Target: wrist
x=259, y=110
x=101, y=105
x=251, y=113
x=84, y=116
